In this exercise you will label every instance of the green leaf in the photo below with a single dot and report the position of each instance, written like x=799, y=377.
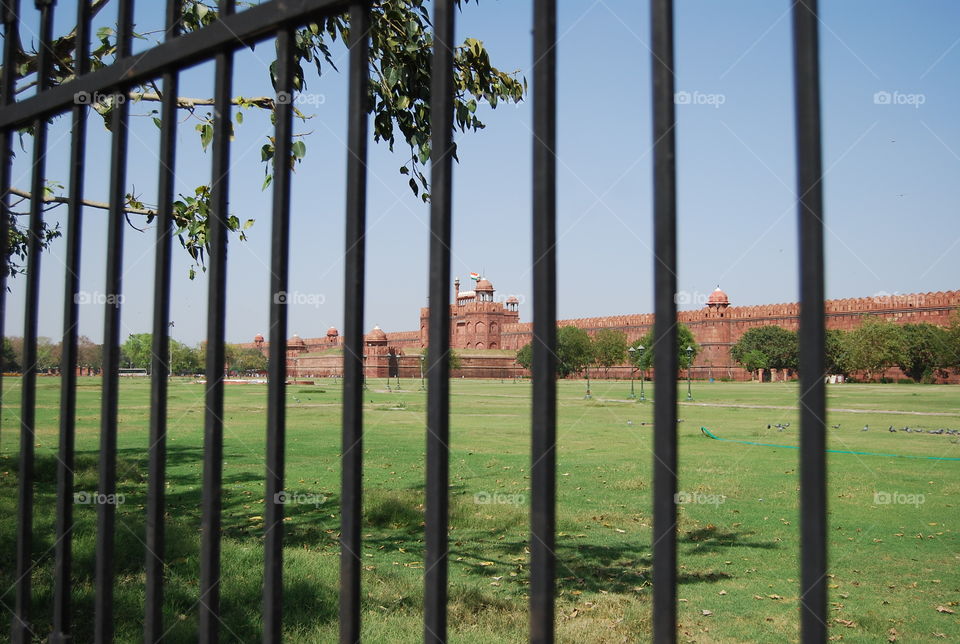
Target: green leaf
x=158, y=123
x=299, y=149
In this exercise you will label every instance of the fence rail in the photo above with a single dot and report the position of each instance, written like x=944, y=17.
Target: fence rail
x=277, y=20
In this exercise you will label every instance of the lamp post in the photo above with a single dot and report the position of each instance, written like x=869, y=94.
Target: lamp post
x=643, y=372
x=689, y=365
x=364, y=358
x=588, y=396
x=397, y=357
x=422, y=388
x=632, y=368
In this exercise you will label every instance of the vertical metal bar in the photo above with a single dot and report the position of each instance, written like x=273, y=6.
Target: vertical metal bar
x=68, y=375
x=153, y=629
x=665, y=330
x=276, y=392
x=352, y=450
x=438, y=390
x=11, y=43
x=106, y=512
x=216, y=327
x=543, y=504
x=20, y=621
x=813, y=459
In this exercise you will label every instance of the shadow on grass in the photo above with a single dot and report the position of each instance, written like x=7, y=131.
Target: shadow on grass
x=393, y=519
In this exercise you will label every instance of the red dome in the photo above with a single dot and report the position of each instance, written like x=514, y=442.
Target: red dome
x=718, y=297
x=484, y=285
x=512, y=300
x=376, y=335
x=332, y=332
x=296, y=342
x=258, y=337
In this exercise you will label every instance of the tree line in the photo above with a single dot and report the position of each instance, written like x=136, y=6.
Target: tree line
x=922, y=351
x=578, y=351
x=136, y=352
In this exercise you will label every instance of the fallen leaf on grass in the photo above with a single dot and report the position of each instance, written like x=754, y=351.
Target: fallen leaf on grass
x=706, y=613
x=944, y=609
x=845, y=622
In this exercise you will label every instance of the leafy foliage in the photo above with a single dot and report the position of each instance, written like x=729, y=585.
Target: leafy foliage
x=925, y=349
x=874, y=346
x=401, y=46
x=767, y=347
x=609, y=347
x=643, y=359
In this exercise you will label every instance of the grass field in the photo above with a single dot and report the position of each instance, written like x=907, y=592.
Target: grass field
x=893, y=565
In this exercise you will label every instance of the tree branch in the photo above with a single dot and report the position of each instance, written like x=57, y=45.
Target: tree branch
x=86, y=202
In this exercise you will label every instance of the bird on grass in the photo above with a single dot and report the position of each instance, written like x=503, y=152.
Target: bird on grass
x=891, y=429
x=866, y=428
x=837, y=426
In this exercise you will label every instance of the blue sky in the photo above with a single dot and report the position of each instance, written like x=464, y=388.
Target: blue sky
x=891, y=163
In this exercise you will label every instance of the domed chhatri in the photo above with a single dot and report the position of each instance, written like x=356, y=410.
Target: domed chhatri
x=718, y=299
x=258, y=339
x=332, y=332
x=484, y=285
x=296, y=342
x=376, y=337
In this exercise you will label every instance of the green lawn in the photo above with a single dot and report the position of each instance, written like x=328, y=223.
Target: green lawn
x=892, y=565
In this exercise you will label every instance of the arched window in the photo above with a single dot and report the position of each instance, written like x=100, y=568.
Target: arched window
x=481, y=328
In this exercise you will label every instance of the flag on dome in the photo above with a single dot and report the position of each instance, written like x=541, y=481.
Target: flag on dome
x=474, y=276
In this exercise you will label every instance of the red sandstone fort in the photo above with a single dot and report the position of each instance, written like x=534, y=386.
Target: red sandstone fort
x=487, y=332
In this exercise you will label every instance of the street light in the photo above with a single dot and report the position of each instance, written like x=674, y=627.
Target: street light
x=422, y=388
x=588, y=396
x=689, y=365
x=364, y=357
x=643, y=372
x=632, y=369
x=397, y=356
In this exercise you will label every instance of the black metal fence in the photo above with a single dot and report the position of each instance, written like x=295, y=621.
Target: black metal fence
x=278, y=19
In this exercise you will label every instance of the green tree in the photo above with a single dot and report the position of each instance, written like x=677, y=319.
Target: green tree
x=10, y=359
x=609, y=348
x=137, y=351
x=643, y=359
x=245, y=360
x=874, y=346
x=574, y=350
x=767, y=347
x=925, y=349
x=48, y=354
x=184, y=360
x=836, y=361
x=401, y=48
x=525, y=356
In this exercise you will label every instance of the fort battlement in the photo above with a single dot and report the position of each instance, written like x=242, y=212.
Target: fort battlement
x=479, y=322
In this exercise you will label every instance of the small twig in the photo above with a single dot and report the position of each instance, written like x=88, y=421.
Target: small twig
x=86, y=202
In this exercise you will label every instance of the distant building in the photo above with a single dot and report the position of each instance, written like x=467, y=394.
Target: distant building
x=480, y=323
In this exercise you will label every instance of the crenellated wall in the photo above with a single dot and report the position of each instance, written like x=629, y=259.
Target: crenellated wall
x=487, y=325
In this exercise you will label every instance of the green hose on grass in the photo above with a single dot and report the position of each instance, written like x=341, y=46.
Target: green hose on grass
x=710, y=434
